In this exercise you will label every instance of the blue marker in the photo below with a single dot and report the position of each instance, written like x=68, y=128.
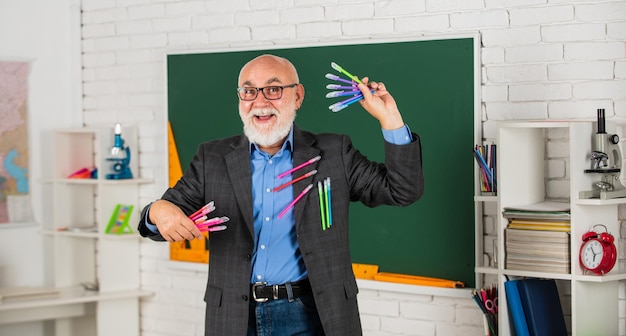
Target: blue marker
x=339, y=79
x=330, y=208
x=345, y=103
x=335, y=94
x=341, y=87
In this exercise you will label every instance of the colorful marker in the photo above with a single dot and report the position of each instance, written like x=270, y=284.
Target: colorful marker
x=341, y=87
x=345, y=103
x=335, y=94
x=213, y=221
x=313, y=160
x=343, y=71
x=339, y=79
x=214, y=228
x=282, y=186
x=290, y=205
x=329, y=208
x=203, y=211
x=322, y=204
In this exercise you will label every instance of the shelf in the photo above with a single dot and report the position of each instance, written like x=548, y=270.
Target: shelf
x=71, y=295
x=481, y=198
x=91, y=235
x=601, y=278
x=98, y=181
x=486, y=270
x=613, y=276
x=540, y=123
x=532, y=274
x=596, y=201
x=84, y=252
x=524, y=150
x=73, y=302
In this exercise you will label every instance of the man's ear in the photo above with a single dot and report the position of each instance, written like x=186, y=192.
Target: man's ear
x=299, y=95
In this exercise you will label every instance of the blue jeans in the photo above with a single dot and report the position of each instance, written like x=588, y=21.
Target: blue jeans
x=285, y=318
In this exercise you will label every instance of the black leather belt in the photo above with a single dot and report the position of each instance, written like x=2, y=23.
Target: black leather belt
x=262, y=292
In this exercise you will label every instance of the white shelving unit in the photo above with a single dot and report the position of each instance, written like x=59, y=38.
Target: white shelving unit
x=82, y=256
x=522, y=181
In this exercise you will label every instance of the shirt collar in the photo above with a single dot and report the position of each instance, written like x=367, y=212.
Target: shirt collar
x=288, y=144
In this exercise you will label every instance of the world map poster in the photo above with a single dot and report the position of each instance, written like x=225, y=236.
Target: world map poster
x=15, y=203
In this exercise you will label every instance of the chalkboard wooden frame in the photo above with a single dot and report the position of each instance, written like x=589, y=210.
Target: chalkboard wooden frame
x=436, y=83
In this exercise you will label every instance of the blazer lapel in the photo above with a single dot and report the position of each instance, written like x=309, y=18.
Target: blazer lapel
x=303, y=150
x=241, y=176
x=238, y=166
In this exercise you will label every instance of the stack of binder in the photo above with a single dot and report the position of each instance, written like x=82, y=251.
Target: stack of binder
x=538, y=238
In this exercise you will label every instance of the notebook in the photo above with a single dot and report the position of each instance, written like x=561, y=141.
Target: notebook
x=542, y=307
x=516, y=311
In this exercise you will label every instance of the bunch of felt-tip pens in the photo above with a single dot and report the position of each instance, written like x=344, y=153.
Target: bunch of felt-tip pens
x=350, y=90
x=486, y=158
x=204, y=224
x=487, y=301
x=326, y=212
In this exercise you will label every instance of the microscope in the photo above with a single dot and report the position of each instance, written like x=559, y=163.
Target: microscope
x=606, y=161
x=120, y=156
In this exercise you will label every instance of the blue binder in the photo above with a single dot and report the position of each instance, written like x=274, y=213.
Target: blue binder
x=542, y=307
x=516, y=310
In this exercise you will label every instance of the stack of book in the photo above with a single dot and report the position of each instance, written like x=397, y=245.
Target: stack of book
x=538, y=237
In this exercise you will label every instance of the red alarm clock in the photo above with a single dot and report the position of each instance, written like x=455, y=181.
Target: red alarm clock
x=598, y=253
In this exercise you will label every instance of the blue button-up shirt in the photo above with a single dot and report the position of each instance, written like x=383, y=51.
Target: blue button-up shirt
x=277, y=258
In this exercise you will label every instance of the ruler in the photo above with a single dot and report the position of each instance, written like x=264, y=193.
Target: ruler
x=175, y=170
x=364, y=271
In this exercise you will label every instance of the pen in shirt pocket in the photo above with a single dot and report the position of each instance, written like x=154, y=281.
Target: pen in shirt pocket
x=326, y=214
x=284, y=185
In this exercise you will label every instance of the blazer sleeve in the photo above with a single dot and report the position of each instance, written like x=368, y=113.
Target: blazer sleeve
x=184, y=194
x=399, y=181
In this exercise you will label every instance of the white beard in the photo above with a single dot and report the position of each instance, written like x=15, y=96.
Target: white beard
x=266, y=136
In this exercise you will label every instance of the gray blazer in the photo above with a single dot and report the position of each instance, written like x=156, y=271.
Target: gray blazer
x=220, y=171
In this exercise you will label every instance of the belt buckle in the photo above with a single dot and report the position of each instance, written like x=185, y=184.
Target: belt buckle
x=254, y=287
x=275, y=291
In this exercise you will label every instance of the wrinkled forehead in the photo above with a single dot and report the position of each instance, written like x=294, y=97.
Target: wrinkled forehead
x=267, y=70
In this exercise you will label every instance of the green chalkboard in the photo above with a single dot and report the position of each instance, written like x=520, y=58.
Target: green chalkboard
x=433, y=84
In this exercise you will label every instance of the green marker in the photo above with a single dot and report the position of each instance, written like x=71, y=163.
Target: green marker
x=322, y=204
x=343, y=71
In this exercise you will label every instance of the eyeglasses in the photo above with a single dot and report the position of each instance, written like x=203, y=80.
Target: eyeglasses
x=249, y=93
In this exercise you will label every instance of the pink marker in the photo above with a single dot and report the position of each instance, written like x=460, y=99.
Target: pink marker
x=309, y=174
x=306, y=190
x=214, y=228
x=313, y=160
x=206, y=206
x=212, y=222
x=202, y=213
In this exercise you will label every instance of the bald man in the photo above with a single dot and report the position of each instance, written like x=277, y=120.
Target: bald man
x=274, y=265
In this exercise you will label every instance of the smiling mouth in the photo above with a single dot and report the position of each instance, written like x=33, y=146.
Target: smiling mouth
x=264, y=117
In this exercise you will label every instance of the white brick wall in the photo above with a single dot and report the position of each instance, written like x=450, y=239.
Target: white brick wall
x=540, y=59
